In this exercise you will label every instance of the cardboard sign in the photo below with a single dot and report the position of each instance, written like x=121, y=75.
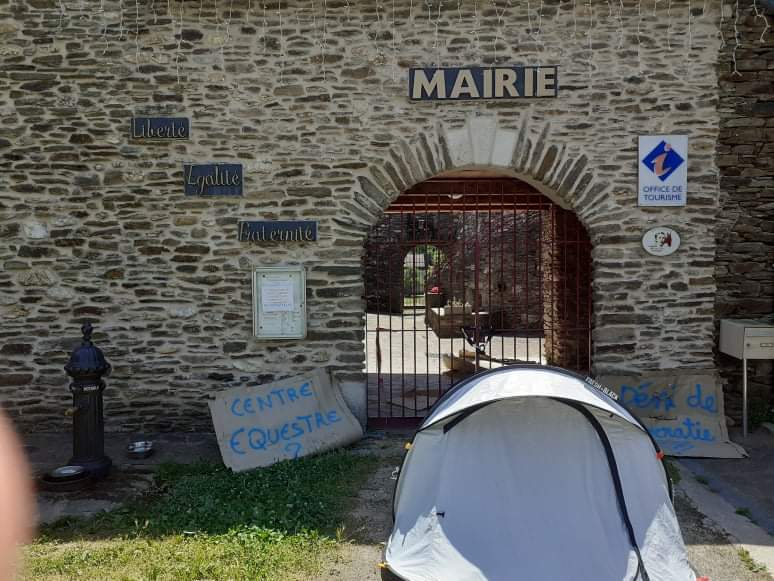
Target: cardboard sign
x=258, y=426
x=684, y=413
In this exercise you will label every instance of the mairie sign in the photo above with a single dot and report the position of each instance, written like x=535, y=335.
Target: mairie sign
x=454, y=84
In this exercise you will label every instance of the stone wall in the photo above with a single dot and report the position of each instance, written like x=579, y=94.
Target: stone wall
x=566, y=309
x=311, y=98
x=495, y=266
x=384, y=255
x=745, y=232
x=507, y=254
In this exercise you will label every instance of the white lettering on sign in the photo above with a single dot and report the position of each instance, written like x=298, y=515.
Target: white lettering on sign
x=258, y=426
x=423, y=85
x=607, y=391
x=488, y=84
x=546, y=82
x=464, y=85
x=505, y=82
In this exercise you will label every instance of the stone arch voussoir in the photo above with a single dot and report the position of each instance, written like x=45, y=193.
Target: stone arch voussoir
x=524, y=149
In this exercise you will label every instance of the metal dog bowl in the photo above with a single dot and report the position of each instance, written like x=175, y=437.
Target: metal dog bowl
x=64, y=473
x=66, y=479
x=139, y=450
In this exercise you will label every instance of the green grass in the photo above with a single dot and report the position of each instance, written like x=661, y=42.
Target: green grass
x=672, y=470
x=702, y=480
x=745, y=512
x=414, y=301
x=760, y=412
x=750, y=563
x=204, y=522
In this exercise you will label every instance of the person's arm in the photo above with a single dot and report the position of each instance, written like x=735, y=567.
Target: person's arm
x=16, y=499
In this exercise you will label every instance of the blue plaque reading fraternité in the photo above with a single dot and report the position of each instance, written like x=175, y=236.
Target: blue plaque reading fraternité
x=214, y=179
x=151, y=128
x=278, y=231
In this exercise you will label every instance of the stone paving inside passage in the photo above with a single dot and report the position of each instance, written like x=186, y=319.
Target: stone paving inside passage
x=405, y=362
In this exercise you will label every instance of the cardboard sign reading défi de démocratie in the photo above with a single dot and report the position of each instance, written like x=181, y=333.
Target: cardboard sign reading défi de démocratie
x=682, y=411
x=258, y=426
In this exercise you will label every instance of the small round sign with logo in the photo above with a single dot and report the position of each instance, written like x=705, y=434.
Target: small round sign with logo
x=661, y=241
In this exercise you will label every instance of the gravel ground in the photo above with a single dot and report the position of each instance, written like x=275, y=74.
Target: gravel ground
x=709, y=550
x=370, y=522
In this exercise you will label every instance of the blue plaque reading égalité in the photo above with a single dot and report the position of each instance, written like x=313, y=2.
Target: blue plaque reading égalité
x=214, y=179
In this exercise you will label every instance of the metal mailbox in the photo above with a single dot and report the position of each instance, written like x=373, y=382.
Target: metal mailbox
x=746, y=339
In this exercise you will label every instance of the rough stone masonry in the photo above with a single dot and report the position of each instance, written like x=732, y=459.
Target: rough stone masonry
x=744, y=266
x=311, y=97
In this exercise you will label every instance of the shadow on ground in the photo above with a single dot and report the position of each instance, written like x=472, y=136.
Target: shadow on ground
x=745, y=483
x=310, y=494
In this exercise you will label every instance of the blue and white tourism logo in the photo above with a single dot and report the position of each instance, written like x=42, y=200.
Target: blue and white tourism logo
x=663, y=160
x=663, y=170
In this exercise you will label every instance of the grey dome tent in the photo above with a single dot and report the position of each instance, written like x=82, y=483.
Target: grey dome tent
x=532, y=473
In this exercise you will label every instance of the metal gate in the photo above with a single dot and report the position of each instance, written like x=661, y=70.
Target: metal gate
x=467, y=274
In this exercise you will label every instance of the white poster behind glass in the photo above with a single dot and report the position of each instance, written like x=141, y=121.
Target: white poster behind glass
x=277, y=296
x=279, y=302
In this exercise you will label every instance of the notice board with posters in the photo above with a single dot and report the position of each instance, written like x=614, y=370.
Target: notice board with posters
x=279, y=302
x=283, y=420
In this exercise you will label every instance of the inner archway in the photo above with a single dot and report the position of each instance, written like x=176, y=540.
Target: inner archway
x=490, y=259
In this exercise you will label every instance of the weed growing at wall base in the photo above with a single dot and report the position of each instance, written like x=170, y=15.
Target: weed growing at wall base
x=204, y=522
x=672, y=470
x=750, y=563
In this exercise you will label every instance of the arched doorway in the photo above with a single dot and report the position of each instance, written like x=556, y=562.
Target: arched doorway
x=487, y=257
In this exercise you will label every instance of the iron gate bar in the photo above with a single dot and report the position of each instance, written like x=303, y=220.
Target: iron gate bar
x=515, y=252
x=577, y=309
x=540, y=270
x=502, y=270
x=564, y=260
x=410, y=232
x=413, y=310
x=526, y=276
x=468, y=203
x=552, y=242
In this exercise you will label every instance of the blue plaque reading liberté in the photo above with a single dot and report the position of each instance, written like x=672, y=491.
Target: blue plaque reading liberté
x=152, y=128
x=277, y=231
x=213, y=179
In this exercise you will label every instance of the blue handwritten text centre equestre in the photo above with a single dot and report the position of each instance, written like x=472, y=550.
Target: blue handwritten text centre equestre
x=260, y=437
